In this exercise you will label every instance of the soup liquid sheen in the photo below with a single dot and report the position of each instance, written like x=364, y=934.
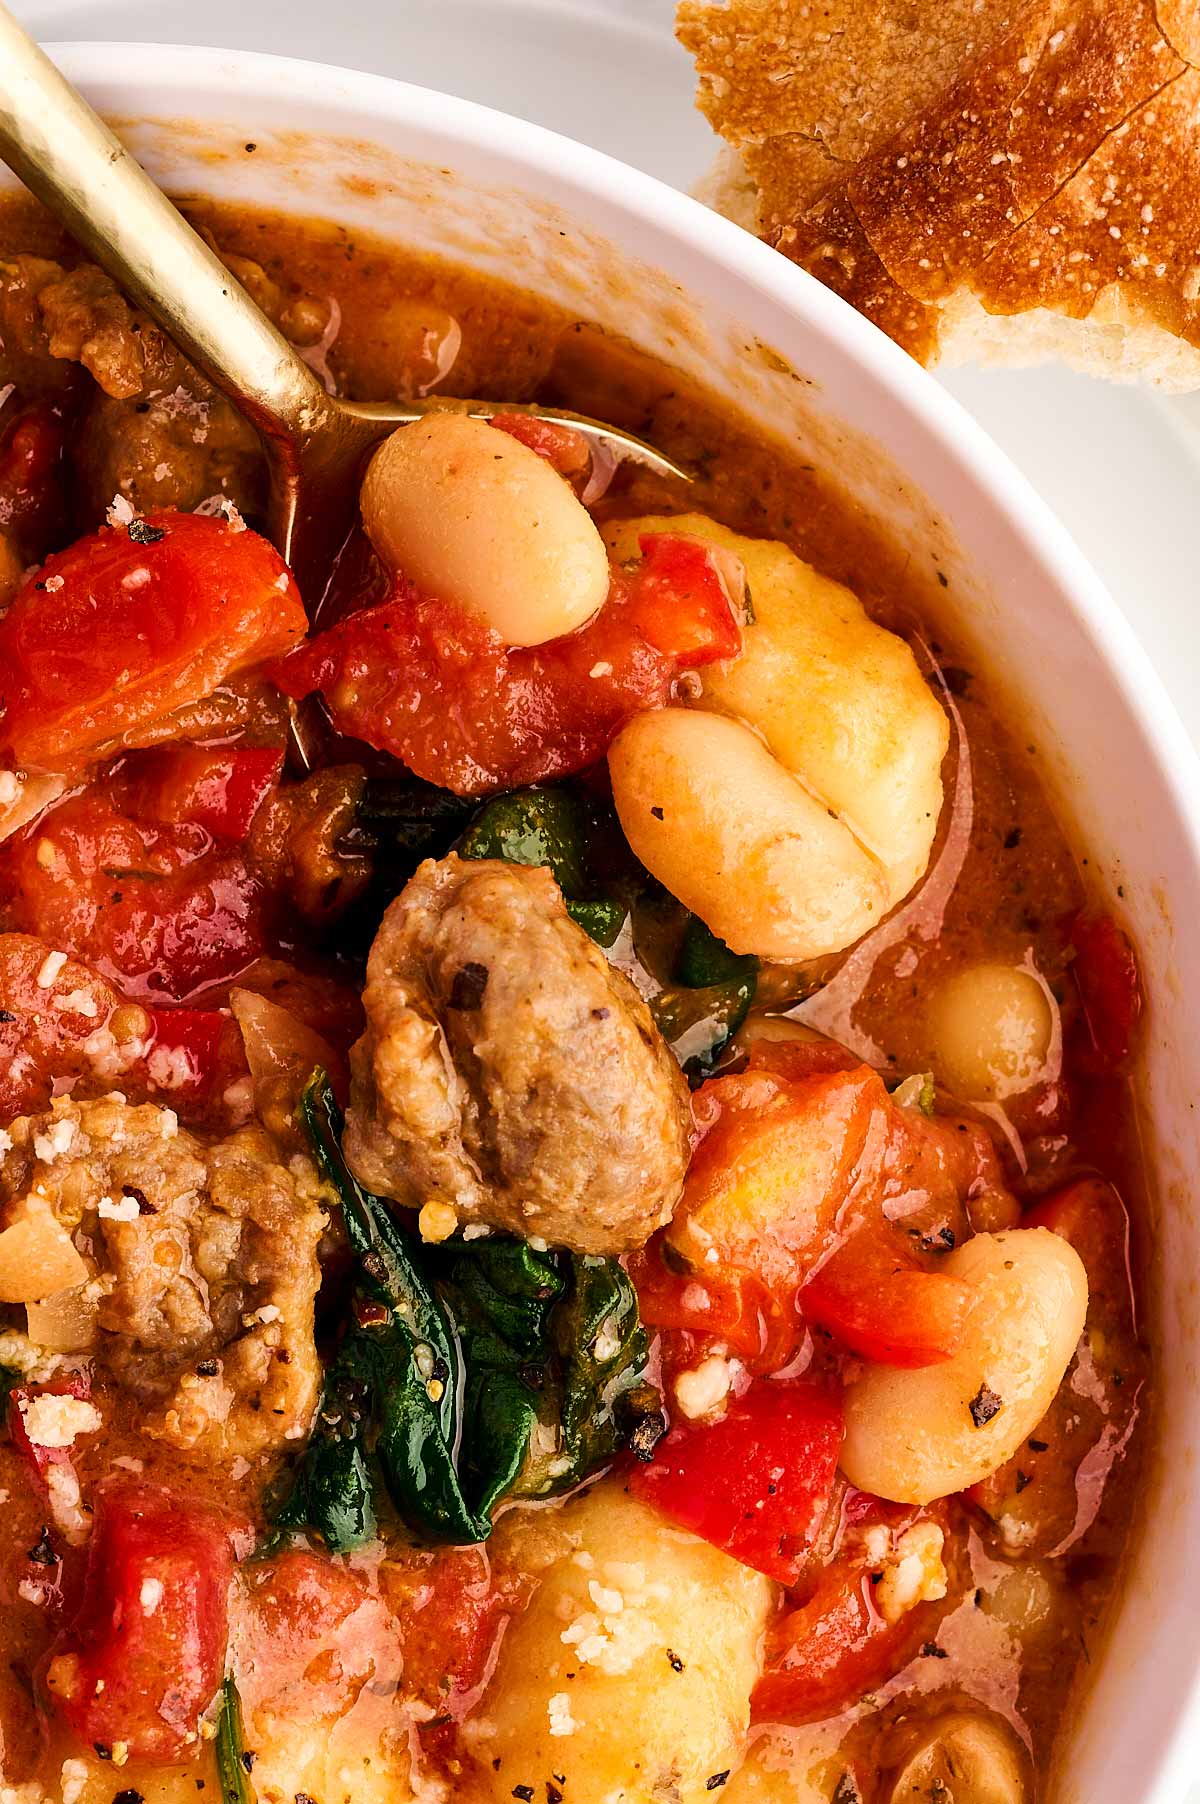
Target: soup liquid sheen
x=1021, y=1639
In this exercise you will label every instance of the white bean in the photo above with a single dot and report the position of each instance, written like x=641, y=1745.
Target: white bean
x=964, y=1757
x=477, y=518
x=719, y=821
x=991, y=1027
x=932, y=1431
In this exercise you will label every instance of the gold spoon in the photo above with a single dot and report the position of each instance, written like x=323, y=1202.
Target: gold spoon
x=315, y=445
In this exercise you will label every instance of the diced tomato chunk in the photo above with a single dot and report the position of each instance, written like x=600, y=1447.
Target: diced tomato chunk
x=451, y=1610
x=157, y=909
x=823, y=1656
x=62, y=1026
x=312, y=1630
x=882, y=1303
x=218, y=788
x=132, y=623
x=567, y=450
x=145, y=1655
x=31, y=485
x=814, y=1195
x=757, y=1481
x=421, y=679
x=735, y=1309
x=1105, y=971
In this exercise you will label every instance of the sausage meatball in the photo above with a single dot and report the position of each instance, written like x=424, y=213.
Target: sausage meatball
x=508, y=1071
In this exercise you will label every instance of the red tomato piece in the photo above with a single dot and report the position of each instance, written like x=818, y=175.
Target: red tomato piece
x=192, y=1057
x=218, y=788
x=312, y=1632
x=813, y=1189
x=419, y=678
x=146, y=1653
x=1105, y=970
x=451, y=1612
x=1090, y=1214
x=132, y=623
x=44, y=1026
x=883, y=1304
x=757, y=1481
x=155, y=908
x=567, y=450
x=75, y=1030
x=734, y=1308
x=823, y=1656
x=31, y=488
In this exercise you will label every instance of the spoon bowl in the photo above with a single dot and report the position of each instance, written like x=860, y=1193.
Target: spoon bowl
x=315, y=443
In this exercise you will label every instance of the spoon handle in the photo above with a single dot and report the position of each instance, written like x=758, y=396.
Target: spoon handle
x=56, y=144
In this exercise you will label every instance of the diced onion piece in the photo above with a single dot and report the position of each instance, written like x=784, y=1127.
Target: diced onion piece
x=37, y=1258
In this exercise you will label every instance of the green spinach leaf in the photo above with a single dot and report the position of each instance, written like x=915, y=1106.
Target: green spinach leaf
x=403, y=1354
x=555, y=828
x=470, y=1371
x=233, y=1763
x=500, y=1295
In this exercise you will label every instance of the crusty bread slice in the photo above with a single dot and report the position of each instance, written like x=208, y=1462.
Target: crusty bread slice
x=1040, y=199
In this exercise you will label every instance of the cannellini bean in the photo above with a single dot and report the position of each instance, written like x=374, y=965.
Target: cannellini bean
x=474, y=516
x=991, y=1027
x=919, y=1434
x=839, y=700
x=738, y=840
x=964, y=1757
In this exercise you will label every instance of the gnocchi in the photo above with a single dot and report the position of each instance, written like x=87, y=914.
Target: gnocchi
x=630, y=1673
x=476, y=517
x=915, y=1435
x=839, y=705
x=718, y=819
x=992, y=1027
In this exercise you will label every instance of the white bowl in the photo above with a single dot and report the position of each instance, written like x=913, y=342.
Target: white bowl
x=622, y=249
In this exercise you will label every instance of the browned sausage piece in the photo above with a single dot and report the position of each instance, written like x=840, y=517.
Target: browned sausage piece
x=508, y=1070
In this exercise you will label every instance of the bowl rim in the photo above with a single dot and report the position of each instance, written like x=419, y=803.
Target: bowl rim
x=167, y=70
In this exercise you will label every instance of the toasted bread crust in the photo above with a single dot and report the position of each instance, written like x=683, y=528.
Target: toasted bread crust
x=1058, y=170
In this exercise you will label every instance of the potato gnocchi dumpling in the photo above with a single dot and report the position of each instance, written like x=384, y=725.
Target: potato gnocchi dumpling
x=631, y=1669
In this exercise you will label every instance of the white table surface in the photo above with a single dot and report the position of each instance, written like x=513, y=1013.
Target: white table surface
x=1121, y=467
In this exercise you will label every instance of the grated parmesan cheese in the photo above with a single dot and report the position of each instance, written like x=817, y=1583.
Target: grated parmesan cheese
x=914, y=1574
x=559, y=1710
x=52, y=1146
x=702, y=1390
x=124, y=1210
x=52, y=964
x=54, y=1421
x=150, y=1595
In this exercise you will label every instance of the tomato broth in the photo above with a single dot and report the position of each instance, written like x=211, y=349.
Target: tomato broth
x=662, y=1545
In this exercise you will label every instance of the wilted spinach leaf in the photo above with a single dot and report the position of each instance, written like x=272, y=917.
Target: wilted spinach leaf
x=232, y=1769
x=401, y=1352
x=606, y=1402
x=555, y=828
x=500, y=1294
